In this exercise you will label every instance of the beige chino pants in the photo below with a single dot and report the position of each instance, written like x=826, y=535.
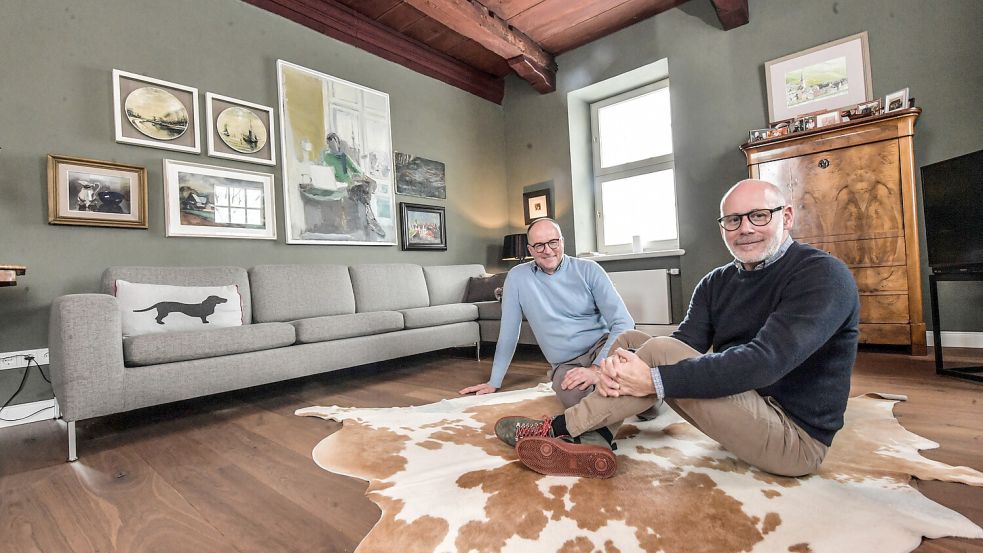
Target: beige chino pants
x=752, y=427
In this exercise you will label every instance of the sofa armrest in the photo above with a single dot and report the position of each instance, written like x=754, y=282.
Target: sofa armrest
x=85, y=344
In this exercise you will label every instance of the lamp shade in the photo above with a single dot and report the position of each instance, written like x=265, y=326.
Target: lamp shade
x=514, y=247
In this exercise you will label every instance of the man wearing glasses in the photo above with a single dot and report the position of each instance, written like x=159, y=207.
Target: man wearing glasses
x=782, y=321
x=573, y=310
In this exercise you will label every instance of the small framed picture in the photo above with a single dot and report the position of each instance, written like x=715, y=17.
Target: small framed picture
x=828, y=118
x=155, y=113
x=754, y=135
x=783, y=124
x=896, y=100
x=865, y=109
x=537, y=204
x=239, y=130
x=208, y=201
x=804, y=123
x=423, y=227
x=96, y=193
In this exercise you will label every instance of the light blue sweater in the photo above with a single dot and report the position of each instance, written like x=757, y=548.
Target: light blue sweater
x=569, y=311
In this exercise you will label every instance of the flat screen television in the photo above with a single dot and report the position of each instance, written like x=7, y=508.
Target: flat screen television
x=952, y=194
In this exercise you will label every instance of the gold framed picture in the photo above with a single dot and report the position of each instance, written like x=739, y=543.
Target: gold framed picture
x=96, y=193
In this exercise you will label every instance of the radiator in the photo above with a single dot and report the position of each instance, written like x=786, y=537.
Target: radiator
x=646, y=295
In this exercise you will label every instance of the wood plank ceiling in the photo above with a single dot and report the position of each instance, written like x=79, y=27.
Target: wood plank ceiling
x=474, y=44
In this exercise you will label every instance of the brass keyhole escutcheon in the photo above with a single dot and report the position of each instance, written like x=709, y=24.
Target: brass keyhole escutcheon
x=823, y=163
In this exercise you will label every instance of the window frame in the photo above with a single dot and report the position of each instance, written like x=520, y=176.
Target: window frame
x=602, y=175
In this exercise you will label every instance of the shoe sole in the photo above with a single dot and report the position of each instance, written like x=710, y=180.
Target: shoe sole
x=558, y=458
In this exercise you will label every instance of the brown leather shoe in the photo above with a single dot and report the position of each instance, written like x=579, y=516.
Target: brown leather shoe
x=556, y=457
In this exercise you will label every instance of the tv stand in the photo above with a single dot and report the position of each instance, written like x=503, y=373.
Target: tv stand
x=969, y=373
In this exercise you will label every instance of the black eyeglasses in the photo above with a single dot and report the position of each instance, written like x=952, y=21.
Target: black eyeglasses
x=757, y=217
x=540, y=247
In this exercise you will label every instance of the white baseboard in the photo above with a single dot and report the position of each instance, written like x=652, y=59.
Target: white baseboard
x=954, y=339
x=46, y=407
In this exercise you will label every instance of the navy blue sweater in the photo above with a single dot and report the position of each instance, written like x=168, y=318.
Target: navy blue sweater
x=788, y=331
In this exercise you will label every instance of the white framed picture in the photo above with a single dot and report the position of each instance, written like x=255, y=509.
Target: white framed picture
x=217, y=202
x=822, y=78
x=337, y=160
x=155, y=113
x=896, y=100
x=239, y=130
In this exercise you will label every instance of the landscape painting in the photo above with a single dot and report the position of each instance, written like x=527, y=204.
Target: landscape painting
x=337, y=160
x=418, y=176
x=423, y=227
x=239, y=130
x=827, y=79
x=155, y=113
x=204, y=200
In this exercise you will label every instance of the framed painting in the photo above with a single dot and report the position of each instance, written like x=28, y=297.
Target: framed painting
x=819, y=79
x=424, y=227
x=239, y=130
x=336, y=151
x=537, y=204
x=419, y=176
x=155, y=113
x=96, y=193
x=896, y=100
x=217, y=202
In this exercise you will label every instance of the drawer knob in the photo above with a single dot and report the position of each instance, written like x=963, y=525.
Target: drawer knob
x=823, y=163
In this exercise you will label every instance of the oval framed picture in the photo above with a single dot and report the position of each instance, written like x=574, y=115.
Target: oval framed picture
x=239, y=130
x=155, y=113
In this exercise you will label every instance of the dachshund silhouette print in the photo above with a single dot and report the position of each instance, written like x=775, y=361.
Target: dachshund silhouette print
x=201, y=310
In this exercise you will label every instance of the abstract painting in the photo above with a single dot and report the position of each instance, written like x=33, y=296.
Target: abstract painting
x=418, y=176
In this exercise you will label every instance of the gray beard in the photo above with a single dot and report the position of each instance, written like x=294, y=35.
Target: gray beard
x=773, y=246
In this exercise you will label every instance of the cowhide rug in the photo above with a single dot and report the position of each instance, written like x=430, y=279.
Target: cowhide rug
x=445, y=483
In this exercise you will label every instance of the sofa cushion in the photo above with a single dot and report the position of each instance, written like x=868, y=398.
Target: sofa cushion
x=489, y=310
x=388, y=287
x=447, y=283
x=437, y=315
x=484, y=288
x=291, y=292
x=152, y=349
x=336, y=327
x=156, y=308
x=184, y=276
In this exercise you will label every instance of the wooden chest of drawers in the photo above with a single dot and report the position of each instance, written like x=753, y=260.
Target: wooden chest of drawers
x=853, y=189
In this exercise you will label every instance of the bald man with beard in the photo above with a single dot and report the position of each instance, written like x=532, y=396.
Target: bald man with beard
x=782, y=322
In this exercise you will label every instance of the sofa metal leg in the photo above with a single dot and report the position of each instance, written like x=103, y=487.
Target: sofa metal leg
x=477, y=350
x=71, y=442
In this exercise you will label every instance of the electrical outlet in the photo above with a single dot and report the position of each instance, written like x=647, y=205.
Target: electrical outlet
x=18, y=359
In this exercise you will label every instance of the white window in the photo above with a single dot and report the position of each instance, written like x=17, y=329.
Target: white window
x=634, y=187
x=239, y=205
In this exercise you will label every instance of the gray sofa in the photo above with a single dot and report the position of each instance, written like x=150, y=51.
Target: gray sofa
x=298, y=320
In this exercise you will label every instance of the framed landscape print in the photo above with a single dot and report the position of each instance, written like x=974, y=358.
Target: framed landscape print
x=336, y=152
x=155, y=113
x=537, y=204
x=239, y=130
x=419, y=176
x=424, y=227
x=96, y=193
x=823, y=78
x=210, y=201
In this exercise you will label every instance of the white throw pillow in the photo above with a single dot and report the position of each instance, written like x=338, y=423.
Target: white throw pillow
x=151, y=308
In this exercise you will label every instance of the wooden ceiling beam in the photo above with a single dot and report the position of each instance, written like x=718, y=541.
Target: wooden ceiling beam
x=345, y=24
x=471, y=19
x=731, y=13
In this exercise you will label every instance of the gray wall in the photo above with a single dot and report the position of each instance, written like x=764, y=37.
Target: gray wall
x=718, y=93
x=56, y=93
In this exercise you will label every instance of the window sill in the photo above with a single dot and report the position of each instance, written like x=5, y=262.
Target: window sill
x=602, y=257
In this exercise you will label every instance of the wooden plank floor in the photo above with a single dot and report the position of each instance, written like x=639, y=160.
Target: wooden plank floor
x=234, y=472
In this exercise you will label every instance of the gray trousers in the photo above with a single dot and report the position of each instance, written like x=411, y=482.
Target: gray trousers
x=752, y=427
x=572, y=397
